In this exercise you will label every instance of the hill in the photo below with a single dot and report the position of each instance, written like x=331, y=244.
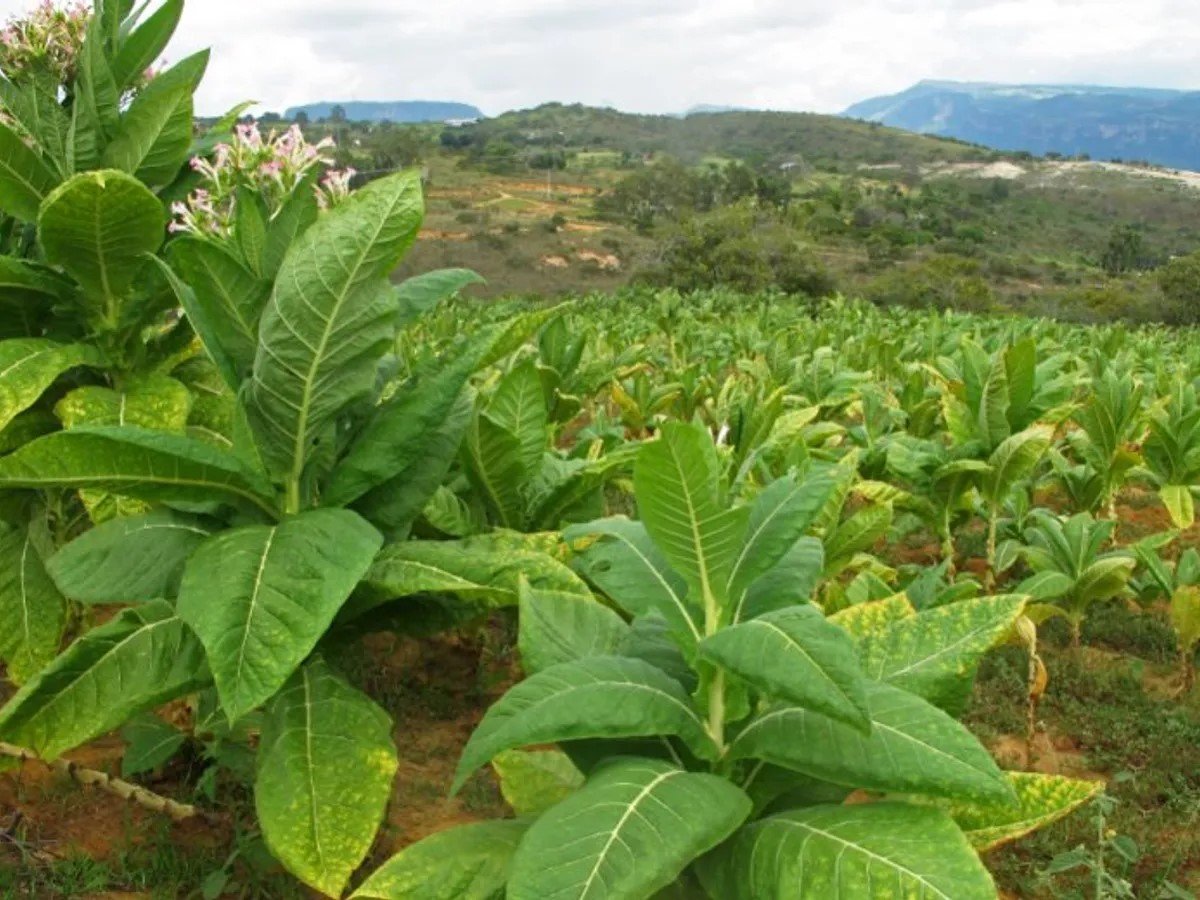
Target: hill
x=1110, y=123
x=403, y=111
x=564, y=199
x=777, y=138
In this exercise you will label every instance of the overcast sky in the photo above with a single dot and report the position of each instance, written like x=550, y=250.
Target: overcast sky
x=668, y=55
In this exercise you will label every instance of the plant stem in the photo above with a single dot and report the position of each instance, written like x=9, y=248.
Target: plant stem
x=948, y=545
x=993, y=523
x=292, y=501
x=716, y=710
x=753, y=775
x=115, y=786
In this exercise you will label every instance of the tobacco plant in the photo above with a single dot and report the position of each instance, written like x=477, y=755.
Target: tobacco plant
x=711, y=723
x=1179, y=585
x=1071, y=568
x=1172, y=453
x=1110, y=427
x=92, y=140
x=245, y=555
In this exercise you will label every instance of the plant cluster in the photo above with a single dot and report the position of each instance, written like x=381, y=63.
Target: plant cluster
x=231, y=447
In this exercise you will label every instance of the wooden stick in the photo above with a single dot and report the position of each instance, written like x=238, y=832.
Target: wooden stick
x=131, y=793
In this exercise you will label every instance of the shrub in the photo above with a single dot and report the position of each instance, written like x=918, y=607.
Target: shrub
x=740, y=248
x=1179, y=281
x=941, y=282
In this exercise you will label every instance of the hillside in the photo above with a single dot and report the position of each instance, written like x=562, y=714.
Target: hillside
x=1157, y=126
x=561, y=199
x=759, y=137
x=405, y=111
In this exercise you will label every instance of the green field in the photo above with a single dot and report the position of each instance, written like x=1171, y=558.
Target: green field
x=579, y=505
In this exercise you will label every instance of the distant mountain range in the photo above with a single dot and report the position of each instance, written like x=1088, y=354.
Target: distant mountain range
x=406, y=111
x=1147, y=124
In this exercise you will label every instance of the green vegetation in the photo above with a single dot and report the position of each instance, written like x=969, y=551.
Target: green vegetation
x=723, y=556
x=890, y=215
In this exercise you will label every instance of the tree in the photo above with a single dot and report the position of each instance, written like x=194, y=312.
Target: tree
x=337, y=115
x=302, y=119
x=742, y=248
x=1179, y=281
x=1125, y=250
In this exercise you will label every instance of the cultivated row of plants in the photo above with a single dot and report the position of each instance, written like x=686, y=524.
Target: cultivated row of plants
x=231, y=446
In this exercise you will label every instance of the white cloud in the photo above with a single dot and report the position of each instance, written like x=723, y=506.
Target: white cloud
x=666, y=55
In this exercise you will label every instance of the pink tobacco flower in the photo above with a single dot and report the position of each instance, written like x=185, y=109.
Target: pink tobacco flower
x=272, y=167
x=44, y=42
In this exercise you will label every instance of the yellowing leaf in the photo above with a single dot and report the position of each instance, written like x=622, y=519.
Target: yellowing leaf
x=867, y=619
x=1041, y=800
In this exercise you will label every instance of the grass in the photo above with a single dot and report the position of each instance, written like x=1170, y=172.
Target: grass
x=1109, y=715
x=153, y=863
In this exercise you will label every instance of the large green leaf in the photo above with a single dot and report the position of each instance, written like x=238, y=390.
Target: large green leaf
x=677, y=483
x=469, y=862
x=28, y=366
x=146, y=43
x=329, y=320
x=795, y=655
x=1047, y=585
x=1185, y=616
x=650, y=639
x=150, y=142
x=519, y=407
x=96, y=110
x=493, y=461
x=791, y=581
x=260, y=597
x=421, y=293
x=532, y=781
x=1015, y=459
x=34, y=105
x=100, y=227
x=297, y=215
x=129, y=560
x=913, y=747
x=395, y=504
x=779, y=517
x=992, y=414
x=1105, y=578
x=624, y=562
x=867, y=620
x=936, y=654
x=1180, y=504
x=871, y=851
x=465, y=569
x=1020, y=368
x=149, y=743
x=325, y=768
x=32, y=612
x=402, y=454
x=209, y=327
x=25, y=179
x=857, y=534
x=133, y=462
x=558, y=627
x=227, y=300
x=629, y=832
x=156, y=402
x=599, y=697
x=401, y=431
x=1041, y=800
x=143, y=658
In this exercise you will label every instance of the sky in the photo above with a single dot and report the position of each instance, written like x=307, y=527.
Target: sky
x=669, y=55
